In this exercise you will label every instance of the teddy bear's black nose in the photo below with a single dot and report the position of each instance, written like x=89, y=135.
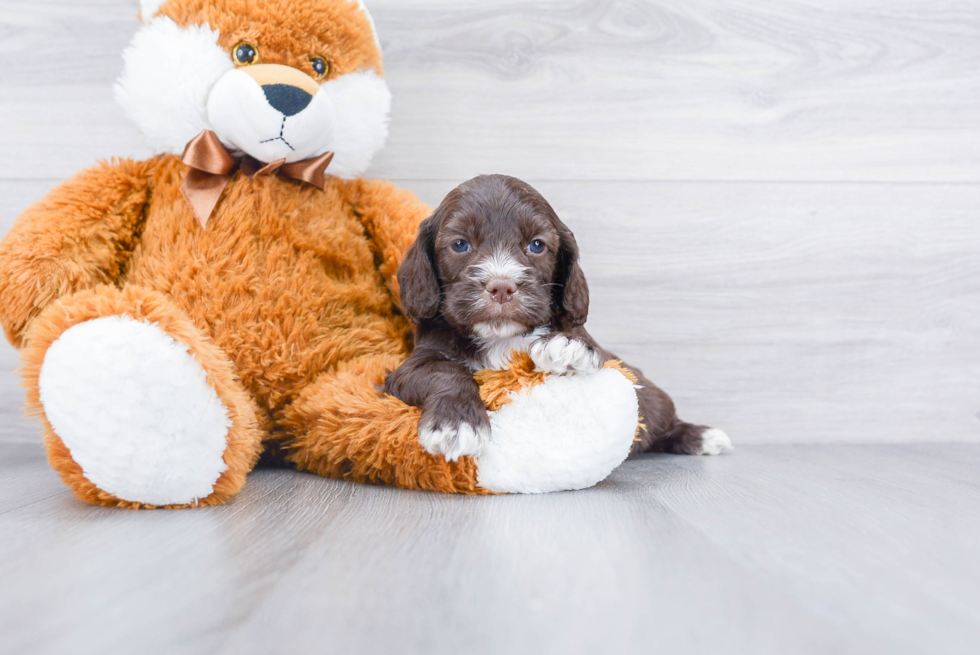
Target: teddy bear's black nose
x=288, y=99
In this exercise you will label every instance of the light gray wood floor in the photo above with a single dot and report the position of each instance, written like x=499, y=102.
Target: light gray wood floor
x=775, y=549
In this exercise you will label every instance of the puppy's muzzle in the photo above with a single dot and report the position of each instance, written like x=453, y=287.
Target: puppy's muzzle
x=287, y=89
x=502, y=290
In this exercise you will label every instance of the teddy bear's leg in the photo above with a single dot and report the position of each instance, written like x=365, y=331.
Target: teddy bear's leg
x=549, y=433
x=345, y=427
x=140, y=409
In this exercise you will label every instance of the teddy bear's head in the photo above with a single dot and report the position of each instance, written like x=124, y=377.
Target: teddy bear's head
x=274, y=79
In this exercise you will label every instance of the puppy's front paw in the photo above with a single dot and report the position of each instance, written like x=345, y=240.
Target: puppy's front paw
x=454, y=428
x=559, y=354
x=453, y=441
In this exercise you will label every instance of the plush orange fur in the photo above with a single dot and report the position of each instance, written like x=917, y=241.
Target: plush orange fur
x=288, y=299
x=496, y=387
x=347, y=428
x=339, y=33
x=287, y=282
x=80, y=236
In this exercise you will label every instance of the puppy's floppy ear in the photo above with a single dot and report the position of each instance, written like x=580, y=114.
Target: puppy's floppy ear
x=417, y=274
x=572, y=297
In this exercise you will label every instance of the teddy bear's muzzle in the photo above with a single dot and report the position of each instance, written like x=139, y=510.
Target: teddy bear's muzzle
x=272, y=112
x=286, y=89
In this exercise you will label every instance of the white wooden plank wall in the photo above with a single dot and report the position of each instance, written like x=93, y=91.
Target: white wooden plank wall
x=778, y=203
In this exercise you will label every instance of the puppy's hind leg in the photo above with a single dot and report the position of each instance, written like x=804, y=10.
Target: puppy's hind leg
x=684, y=439
x=662, y=431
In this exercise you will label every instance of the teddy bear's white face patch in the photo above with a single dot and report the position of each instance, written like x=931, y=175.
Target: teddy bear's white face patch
x=167, y=78
x=273, y=121
x=178, y=82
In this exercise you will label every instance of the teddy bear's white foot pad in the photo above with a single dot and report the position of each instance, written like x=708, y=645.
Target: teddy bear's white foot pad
x=135, y=410
x=567, y=433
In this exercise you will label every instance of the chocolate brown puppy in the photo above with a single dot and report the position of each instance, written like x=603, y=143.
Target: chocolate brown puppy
x=495, y=270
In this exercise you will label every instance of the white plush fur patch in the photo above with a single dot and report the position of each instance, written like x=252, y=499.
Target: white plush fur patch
x=135, y=410
x=362, y=106
x=567, y=433
x=168, y=74
x=245, y=121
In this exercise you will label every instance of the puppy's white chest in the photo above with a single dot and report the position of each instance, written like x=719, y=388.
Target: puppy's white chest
x=496, y=351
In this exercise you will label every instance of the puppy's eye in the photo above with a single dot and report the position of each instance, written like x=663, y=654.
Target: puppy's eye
x=320, y=66
x=536, y=247
x=245, y=53
x=461, y=246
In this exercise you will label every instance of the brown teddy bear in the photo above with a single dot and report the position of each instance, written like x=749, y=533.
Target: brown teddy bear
x=235, y=296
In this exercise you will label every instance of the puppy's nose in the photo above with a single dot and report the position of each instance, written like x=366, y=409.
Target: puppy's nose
x=502, y=290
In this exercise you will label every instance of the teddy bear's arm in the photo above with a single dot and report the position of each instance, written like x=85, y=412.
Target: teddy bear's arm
x=391, y=218
x=78, y=237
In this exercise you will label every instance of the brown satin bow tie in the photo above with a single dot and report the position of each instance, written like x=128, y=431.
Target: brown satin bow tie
x=212, y=165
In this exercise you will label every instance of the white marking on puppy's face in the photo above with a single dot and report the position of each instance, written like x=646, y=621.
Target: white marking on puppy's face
x=499, y=265
x=493, y=331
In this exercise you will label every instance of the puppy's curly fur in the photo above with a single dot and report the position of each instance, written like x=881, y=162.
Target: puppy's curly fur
x=493, y=271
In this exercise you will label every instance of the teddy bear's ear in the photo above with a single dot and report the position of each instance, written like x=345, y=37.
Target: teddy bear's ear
x=374, y=28
x=148, y=8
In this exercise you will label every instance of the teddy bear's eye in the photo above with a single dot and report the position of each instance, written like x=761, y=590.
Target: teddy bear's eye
x=320, y=66
x=245, y=53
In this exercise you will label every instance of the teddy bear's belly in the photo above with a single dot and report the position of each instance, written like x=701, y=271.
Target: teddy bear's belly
x=284, y=306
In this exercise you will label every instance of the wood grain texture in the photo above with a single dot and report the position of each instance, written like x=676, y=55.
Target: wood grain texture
x=775, y=549
x=588, y=89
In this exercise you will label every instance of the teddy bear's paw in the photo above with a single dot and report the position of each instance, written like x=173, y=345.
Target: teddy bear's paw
x=568, y=432
x=135, y=410
x=559, y=354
